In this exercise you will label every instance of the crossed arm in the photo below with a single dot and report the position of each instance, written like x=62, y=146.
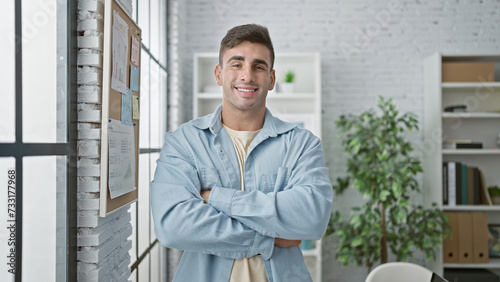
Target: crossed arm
x=278, y=242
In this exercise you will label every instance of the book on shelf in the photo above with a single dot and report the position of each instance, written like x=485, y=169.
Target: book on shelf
x=450, y=187
x=470, y=186
x=485, y=195
x=463, y=185
x=461, y=141
x=445, y=184
x=473, y=145
x=477, y=186
x=458, y=183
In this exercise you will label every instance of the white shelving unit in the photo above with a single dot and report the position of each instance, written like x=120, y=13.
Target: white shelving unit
x=481, y=123
x=301, y=106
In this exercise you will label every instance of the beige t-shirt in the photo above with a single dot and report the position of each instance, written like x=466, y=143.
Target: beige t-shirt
x=245, y=269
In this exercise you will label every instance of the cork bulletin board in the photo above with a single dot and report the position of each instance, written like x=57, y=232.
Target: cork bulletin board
x=120, y=109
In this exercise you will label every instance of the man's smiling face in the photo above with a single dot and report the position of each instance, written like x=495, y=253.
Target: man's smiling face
x=245, y=76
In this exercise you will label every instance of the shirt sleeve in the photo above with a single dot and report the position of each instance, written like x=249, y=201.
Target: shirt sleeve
x=299, y=211
x=182, y=219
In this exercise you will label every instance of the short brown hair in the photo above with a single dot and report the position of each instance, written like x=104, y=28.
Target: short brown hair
x=249, y=32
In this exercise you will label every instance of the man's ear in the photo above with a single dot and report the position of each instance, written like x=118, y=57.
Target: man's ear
x=273, y=80
x=218, y=74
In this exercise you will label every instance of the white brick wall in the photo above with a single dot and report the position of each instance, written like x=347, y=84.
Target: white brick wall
x=368, y=48
x=102, y=242
x=179, y=105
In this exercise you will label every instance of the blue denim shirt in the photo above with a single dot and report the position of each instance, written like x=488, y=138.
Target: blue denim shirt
x=287, y=194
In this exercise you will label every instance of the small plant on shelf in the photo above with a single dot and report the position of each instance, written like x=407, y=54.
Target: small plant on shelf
x=289, y=76
x=382, y=168
x=494, y=192
x=288, y=84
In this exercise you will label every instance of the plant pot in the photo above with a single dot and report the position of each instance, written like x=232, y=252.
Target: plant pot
x=495, y=200
x=286, y=87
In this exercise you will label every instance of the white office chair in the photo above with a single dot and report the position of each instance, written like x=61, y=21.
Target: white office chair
x=402, y=271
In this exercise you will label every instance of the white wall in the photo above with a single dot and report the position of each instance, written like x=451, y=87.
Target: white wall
x=368, y=48
x=179, y=64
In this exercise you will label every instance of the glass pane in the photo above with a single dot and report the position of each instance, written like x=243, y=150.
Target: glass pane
x=7, y=78
x=143, y=202
x=133, y=251
x=7, y=215
x=143, y=11
x=144, y=102
x=154, y=19
x=44, y=217
x=40, y=72
x=152, y=168
x=133, y=276
x=156, y=106
x=155, y=263
x=144, y=269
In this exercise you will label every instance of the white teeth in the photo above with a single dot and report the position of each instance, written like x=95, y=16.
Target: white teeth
x=246, y=90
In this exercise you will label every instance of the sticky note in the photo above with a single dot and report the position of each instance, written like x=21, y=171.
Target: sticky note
x=134, y=51
x=134, y=78
x=126, y=115
x=135, y=107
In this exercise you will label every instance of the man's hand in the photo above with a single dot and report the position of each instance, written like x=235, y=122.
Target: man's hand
x=205, y=194
x=285, y=243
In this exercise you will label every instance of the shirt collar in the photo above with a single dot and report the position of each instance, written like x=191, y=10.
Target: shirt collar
x=272, y=125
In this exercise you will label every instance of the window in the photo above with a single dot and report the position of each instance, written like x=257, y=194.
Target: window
x=146, y=253
x=38, y=140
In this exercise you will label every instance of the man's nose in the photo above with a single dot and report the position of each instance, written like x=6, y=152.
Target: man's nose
x=247, y=74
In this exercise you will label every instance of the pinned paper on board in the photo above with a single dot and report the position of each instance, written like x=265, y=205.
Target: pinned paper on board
x=134, y=78
x=126, y=110
x=135, y=107
x=121, y=158
x=119, y=54
x=134, y=52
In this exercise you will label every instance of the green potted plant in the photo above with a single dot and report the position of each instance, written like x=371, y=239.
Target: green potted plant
x=288, y=83
x=380, y=166
x=494, y=192
x=289, y=76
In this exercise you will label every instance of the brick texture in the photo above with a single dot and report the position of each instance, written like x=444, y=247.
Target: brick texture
x=102, y=242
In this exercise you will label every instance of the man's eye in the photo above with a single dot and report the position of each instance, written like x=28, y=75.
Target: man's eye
x=260, y=67
x=236, y=65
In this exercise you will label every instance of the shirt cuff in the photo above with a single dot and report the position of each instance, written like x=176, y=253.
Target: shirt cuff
x=221, y=199
x=263, y=245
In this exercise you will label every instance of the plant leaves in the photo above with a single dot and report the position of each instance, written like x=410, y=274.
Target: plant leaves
x=383, y=195
x=381, y=165
x=356, y=242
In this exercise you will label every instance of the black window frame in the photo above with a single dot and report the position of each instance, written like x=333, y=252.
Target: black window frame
x=19, y=149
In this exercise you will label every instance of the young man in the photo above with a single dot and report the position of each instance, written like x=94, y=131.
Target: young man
x=239, y=189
